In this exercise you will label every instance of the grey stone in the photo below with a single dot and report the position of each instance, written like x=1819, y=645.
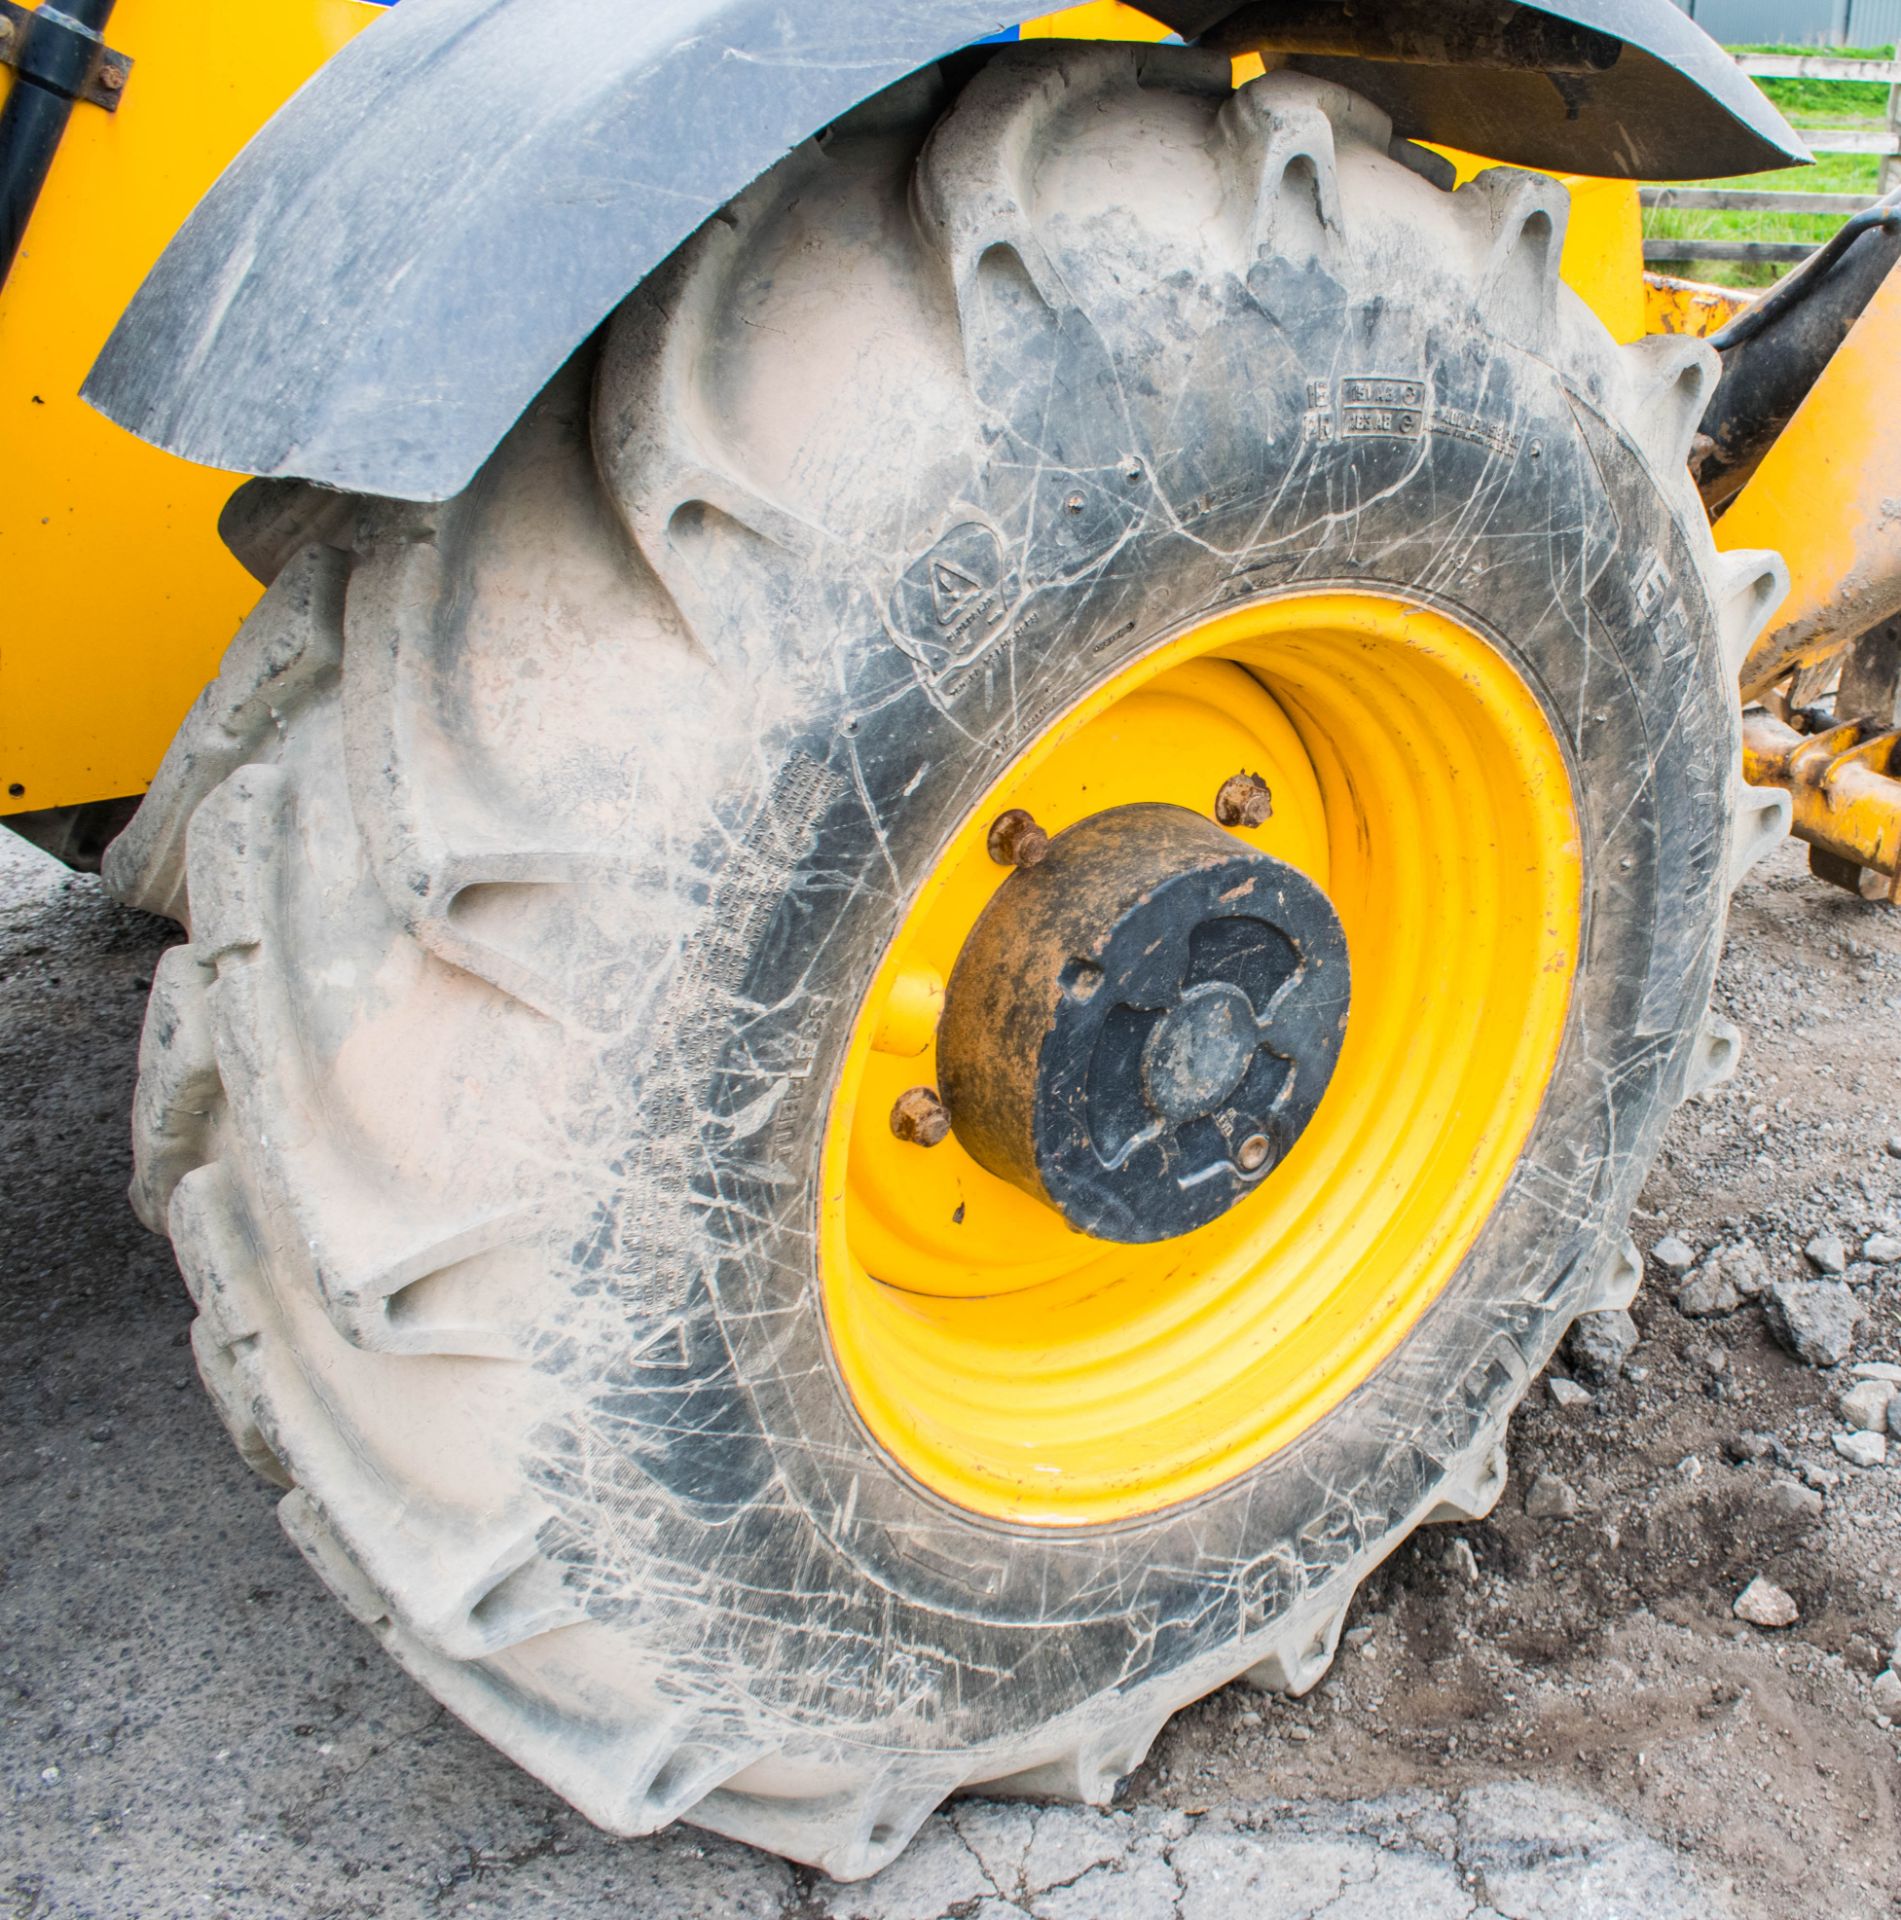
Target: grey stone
x=1886, y=1693
x=1542, y=1854
x=1600, y=1343
x=935, y=1872
x=1709, y=1290
x=1549, y=1498
x=1815, y=1319
x=1865, y=1405
x=1827, y=1253
x=1894, y=1145
x=1001, y=1832
x=1790, y=1500
x=1764, y=1604
x=1882, y=1248
x=1741, y=1263
x=1238, y=1875
x=1066, y=1844
x=1877, y=1370
x=1861, y=1449
x=1567, y=1393
x=1673, y=1255
x=1894, y=1416
x=1135, y=1889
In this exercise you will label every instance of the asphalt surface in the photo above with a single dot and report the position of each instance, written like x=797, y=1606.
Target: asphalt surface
x=189, y=1725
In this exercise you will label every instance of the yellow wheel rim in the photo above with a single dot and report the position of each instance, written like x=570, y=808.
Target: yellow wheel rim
x=1025, y=1371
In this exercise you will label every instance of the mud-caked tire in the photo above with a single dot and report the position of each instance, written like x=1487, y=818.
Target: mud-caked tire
x=537, y=849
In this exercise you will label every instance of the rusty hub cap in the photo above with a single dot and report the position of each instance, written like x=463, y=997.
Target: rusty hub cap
x=1140, y=1026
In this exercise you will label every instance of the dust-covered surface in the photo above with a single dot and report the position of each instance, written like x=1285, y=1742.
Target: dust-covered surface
x=1530, y=1715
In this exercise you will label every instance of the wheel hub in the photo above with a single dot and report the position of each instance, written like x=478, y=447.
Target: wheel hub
x=1141, y=1025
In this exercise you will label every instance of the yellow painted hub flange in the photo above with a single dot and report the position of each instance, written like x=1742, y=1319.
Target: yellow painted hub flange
x=1025, y=1371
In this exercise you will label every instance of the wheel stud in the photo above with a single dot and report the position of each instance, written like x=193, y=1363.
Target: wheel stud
x=919, y=1117
x=1016, y=840
x=1251, y=1155
x=1244, y=801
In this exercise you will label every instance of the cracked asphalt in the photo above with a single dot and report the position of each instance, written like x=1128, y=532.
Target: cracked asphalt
x=189, y=1725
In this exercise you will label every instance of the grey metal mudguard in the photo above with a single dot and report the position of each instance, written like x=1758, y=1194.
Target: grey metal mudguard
x=399, y=260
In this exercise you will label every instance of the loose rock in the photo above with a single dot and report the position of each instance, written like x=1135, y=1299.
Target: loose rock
x=1764, y=1604
x=1894, y=1416
x=1815, y=1319
x=1744, y=1447
x=1742, y=1264
x=1708, y=1291
x=1865, y=1405
x=1877, y=1370
x=1549, y=1498
x=1567, y=1393
x=1827, y=1253
x=1600, y=1343
x=1673, y=1255
x=1861, y=1449
x=1887, y=1693
x=1789, y=1500
x=1882, y=1248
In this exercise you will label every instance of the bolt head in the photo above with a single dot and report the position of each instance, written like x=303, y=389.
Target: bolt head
x=1244, y=801
x=1253, y=1152
x=1016, y=840
x=920, y=1118
x=112, y=78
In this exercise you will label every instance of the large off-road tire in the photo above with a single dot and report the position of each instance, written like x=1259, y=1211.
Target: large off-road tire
x=537, y=851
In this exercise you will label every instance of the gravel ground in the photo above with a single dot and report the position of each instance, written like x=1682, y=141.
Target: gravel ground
x=1556, y=1712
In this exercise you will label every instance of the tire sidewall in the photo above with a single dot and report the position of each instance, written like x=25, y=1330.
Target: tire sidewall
x=1508, y=501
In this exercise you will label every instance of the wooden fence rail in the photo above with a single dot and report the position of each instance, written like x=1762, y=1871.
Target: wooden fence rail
x=1885, y=141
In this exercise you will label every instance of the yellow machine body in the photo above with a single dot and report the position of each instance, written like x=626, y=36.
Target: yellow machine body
x=118, y=595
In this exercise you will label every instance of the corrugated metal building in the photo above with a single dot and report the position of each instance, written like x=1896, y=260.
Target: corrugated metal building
x=1814, y=23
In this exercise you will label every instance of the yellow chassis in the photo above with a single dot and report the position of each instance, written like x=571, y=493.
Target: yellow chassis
x=116, y=595
x=119, y=597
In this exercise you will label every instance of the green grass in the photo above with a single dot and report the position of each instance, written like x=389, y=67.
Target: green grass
x=1815, y=104
x=1828, y=102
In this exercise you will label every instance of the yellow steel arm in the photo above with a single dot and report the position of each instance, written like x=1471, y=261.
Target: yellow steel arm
x=1827, y=496
x=1846, y=801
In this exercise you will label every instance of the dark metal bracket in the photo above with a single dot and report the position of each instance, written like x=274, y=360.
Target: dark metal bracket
x=59, y=58
x=64, y=55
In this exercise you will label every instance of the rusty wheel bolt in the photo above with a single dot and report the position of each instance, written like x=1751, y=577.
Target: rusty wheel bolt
x=1244, y=801
x=1016, y=840
x=1251, y=1155
x=919, y=1117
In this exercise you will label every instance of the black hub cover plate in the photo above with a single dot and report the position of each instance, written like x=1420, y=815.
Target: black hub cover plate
x=1140, y=1027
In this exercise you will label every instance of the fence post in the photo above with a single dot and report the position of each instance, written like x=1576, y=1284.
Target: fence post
x=1891, y=163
